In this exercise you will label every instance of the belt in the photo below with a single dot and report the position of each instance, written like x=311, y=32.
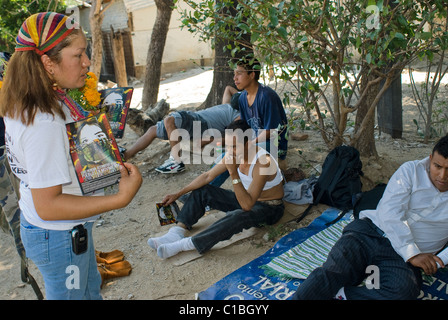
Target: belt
x=272, y=202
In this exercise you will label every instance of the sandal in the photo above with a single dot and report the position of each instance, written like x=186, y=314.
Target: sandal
x=115, y=270
x=109, y=257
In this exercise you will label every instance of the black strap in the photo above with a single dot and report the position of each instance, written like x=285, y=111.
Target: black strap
x=9, y=203
x=28, y=278
x=343, y=212
x=305, y=213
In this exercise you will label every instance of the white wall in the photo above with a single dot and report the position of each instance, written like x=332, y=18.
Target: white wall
x=183, y=50
x=181, y=47
x=116, y=16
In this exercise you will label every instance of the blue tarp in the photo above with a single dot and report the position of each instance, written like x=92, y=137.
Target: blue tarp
x=251, y=282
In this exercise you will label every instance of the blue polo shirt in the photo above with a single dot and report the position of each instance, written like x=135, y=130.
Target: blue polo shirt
x=266, y=112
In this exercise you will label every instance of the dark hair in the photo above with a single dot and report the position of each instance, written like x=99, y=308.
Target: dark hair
x=442, y=147
x=234, y=101
x=251, y=64
x=240, y=125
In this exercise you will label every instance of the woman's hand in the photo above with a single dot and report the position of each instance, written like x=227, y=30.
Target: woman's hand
x=130, y=182
x=52, y=204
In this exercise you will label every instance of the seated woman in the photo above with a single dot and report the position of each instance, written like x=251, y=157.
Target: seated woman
x=256, y=199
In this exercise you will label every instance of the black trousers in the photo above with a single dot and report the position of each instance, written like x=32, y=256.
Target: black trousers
x=359, y=253
x=235, y=220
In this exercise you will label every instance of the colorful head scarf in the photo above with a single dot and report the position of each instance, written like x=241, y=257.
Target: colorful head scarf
x=42, y=31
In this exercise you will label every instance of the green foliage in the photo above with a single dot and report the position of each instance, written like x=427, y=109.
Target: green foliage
x=14, y=12
x=321, y=43
x=432, y=110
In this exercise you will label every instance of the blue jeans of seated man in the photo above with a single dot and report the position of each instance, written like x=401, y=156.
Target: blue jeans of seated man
x=235, y=220
x=360, y=246
x=219, y=180
x=67, y=276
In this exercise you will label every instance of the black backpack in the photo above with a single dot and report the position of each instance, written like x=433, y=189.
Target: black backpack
x=369, y=200
x=340, y=182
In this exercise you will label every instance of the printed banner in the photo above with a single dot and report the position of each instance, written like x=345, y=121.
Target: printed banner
x=254, y=281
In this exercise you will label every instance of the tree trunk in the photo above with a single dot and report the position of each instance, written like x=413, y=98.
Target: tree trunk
x=96, y=17
x=119, y=59
x=155, y=53
x=96, y=20
x=222, y=76
x=340, y=116
x=222, y=73
x=365, y=143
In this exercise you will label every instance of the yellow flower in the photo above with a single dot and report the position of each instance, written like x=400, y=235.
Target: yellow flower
x=88, y=96
x=1, y=84
x=93, y=97
x=90, y=83
x=93, y=76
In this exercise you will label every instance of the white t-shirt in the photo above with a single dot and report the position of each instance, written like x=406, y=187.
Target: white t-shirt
x=39, y=156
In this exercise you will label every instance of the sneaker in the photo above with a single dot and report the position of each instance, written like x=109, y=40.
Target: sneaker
x=171, y=166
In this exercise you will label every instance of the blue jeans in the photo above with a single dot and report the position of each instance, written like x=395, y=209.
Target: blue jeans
x=67, y=276
x=219, y=180
x=182, y=120
x=235, y=221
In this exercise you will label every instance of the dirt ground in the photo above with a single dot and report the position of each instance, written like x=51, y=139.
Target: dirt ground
x=128, y=230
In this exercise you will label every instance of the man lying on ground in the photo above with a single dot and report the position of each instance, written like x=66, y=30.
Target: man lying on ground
x=217, y=117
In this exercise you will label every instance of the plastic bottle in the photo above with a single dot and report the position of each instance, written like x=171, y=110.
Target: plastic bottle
x=218, y=154
x=218, y=149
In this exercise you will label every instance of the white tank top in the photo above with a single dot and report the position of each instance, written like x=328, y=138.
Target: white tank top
x=246, y=180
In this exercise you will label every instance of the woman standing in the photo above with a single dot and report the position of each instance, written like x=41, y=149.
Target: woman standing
x=50, y=57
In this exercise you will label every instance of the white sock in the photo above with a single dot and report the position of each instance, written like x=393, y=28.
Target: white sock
x=170, y=249
x=174, y=234
x=341, y=294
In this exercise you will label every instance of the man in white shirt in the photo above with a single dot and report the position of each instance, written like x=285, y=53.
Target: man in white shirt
x=397, y=241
